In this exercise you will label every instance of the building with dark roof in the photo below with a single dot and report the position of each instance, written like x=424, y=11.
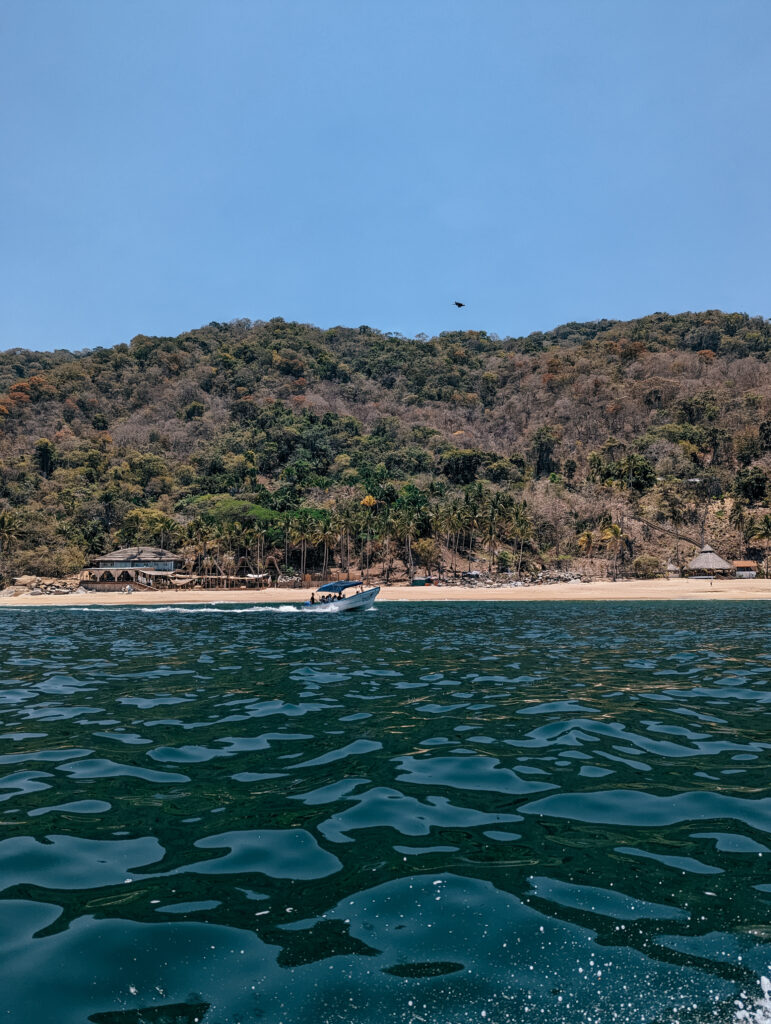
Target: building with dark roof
x=140, y=558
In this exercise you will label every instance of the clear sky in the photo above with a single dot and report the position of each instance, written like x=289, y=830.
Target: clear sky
x=165, y=163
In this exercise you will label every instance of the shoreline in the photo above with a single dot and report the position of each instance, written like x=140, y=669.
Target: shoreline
x=603, y=590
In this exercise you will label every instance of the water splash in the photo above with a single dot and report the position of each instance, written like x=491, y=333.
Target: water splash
x=758, y=1012
x=216, y=610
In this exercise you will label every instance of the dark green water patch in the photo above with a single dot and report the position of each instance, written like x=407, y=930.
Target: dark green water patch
x=439, y=812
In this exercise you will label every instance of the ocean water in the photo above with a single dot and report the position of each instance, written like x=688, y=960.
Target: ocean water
x=424, y=813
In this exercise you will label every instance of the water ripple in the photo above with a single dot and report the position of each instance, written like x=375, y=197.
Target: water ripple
x=483, y=812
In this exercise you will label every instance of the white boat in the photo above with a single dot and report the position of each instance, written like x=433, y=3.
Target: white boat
x=332, y=597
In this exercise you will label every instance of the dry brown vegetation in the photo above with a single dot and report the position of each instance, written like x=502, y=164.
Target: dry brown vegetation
x=532, y=446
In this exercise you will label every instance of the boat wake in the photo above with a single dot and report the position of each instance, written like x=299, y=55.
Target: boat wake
x=281, y=609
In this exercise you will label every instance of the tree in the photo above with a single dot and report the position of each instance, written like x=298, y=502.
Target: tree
x=615, y=541
x=428, y=552
x=671, y=507
x=45, y=456
x=494, y=513
x=747, y=447
x=744, y=523
x=148, y=526
x=542, y=446
x=405, y=525
x=368, y=504
x=302, y=531
x=460, y=465
x=521, y=528
x=505, y=561
x=764, y=435
x=763, y=532
x=646, y=567
x=751, y=484
x=635, y=473
x=325, y=533
x=10, y=527
x=585, y=543
x=470, y=519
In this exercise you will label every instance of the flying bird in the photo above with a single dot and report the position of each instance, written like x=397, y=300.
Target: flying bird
x=459, y=304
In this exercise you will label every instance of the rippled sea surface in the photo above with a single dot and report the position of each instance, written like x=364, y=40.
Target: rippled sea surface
x=427, y=812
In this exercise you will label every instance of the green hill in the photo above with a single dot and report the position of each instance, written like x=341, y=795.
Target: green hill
x=266, y=436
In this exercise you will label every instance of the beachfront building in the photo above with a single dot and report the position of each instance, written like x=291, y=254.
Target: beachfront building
x=708, y=563
x=147, y=568
x=745, y=570
x=140, y=558
x=144, y=567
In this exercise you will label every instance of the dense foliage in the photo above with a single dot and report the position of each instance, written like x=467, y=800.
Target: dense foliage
x=609, y=440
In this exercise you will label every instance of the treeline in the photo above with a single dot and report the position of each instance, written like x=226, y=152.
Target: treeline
x=609, y=443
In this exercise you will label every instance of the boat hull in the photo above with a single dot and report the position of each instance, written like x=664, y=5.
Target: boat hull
x=356, y=602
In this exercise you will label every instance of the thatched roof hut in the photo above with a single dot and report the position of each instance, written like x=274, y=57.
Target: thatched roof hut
x=708, y=561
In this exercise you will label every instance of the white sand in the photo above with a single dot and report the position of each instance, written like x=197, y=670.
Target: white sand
x=606, y=590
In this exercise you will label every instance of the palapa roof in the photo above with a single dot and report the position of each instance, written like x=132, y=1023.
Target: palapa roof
x=141, y=554
x=744, y=564
x=707, y=559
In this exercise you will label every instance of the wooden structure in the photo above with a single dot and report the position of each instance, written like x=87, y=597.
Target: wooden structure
x=147, y=568
x=140, y=558
x=708, y=563
x=745, y=570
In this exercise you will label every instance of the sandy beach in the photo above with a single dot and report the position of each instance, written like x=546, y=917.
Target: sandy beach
x=606, y=590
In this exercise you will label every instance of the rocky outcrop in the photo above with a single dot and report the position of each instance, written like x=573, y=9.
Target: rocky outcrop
x=31, y=586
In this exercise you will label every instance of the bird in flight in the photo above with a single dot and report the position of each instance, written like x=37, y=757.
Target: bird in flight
x=459, y=304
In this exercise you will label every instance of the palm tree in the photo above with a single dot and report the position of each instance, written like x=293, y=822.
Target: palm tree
x=494, y=513
x=219, y=535
x=301, y=532
x=196, y=534
x=746, y=524
x=405, y=525
x=390, y=532
x=258, y=535
x=454, y=527
x=167, y=530
x=470, y=518
x=324, y=532
x=368, y=504
x=615, y=541
x=763, y=532
x=236, y=538
x=585, y=543
x=285, y=522
x=9, y=530
x=521, y=529
x=347, y=519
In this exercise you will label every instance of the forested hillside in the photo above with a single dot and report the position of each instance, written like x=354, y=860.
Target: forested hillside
x=608, y=444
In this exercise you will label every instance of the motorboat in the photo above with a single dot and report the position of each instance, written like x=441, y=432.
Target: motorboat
x=333, y=597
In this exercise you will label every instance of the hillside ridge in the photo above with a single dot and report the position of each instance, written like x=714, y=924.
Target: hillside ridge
x=257, y=426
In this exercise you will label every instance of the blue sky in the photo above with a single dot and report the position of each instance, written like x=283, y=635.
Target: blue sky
x=170, y=162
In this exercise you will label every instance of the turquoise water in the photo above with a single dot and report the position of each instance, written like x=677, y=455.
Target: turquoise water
x=440, y=813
